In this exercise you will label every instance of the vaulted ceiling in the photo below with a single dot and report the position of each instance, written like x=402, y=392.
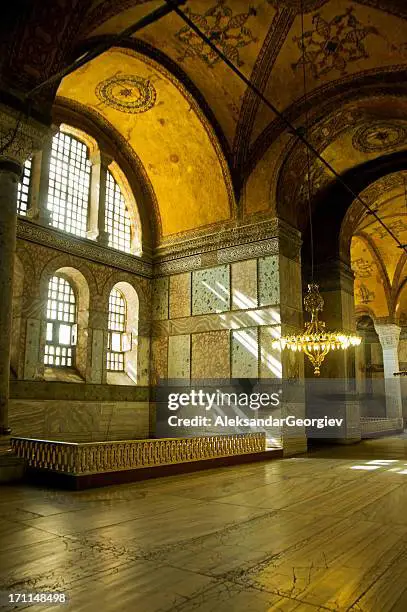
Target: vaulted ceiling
x=378, y=264
x=198, y=131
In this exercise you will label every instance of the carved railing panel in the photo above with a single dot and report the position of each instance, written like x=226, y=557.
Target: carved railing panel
x=99, y=457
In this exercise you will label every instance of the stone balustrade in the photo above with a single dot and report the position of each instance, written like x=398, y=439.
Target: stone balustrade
x=101, y=457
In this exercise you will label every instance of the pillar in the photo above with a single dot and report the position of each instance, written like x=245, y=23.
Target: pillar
x=336, y=284
x=389, y=335
x=283, y=270
x=97, y=206
x=97, y=343
x=15, y=147
x=40, y=169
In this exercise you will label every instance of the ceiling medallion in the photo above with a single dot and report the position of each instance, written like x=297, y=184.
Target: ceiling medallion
x=315, y=341
x=226, y=28
x=379, y=137
x=127, y=93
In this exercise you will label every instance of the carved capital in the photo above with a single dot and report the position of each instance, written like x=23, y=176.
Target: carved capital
x=20, y=136
x=389, y=335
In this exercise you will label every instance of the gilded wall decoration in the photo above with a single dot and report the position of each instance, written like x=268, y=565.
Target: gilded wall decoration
x=364, y=294
x=362, y=268
x=298, y=5
x=127, y=93
x=227, y=30
x=332, y=45
x=379, y=137
x=396, y=227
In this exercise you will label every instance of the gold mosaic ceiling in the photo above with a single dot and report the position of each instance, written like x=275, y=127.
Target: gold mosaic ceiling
x=379, y=265
x=196, y=129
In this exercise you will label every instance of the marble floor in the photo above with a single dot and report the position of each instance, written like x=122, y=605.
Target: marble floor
x=327, y=531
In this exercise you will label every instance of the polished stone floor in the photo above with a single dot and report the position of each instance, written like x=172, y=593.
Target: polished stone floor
x=323, y=532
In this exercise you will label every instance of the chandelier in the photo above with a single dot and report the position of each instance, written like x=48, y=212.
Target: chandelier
x=315, y=341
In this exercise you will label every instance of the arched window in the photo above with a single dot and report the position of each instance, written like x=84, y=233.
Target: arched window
x=69, y=184
x=117, y=218
x=117, y=338
x=23, y=189
x=61, y=324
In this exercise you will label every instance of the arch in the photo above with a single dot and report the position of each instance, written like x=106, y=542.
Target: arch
x=114, y=145
x=330, y=207
x=80, y=287
x=84, y=137
x=68, y=262
x=178, y=146
x=129, y=334
x=328, y=99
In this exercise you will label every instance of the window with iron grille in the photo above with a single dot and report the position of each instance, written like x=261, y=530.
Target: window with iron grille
x=117, y=219
x=23, y=189
x=61, y=324
x=69, y=184
x=116, y=331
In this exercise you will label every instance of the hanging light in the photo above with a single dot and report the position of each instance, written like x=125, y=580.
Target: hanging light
x=315, y=341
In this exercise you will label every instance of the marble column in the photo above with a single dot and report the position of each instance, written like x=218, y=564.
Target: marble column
x=40, y=169
x=389, y=335
x=97, y=207
x=15, y=147
x=10, y=172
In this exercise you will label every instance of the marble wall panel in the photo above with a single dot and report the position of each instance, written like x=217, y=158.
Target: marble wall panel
x=291, y=283
x=245, y=351
x=270, y=358
x=160, y=298
x=269, y=280
x=79, y=421
x=159, y=363
x=244, y=284
x=97, y=356
x=179, y=356
x=180, y=295
x=210, y=355
x=32, y=348
x=143, y=360
x=211, y=290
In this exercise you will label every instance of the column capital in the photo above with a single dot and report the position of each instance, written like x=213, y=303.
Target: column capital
x=389, y=335
x=20, y=136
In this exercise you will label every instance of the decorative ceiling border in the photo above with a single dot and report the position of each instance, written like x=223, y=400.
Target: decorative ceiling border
x=278, y=31
x=233, y=244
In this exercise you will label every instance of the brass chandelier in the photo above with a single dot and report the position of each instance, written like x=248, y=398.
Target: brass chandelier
x=315, y=342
